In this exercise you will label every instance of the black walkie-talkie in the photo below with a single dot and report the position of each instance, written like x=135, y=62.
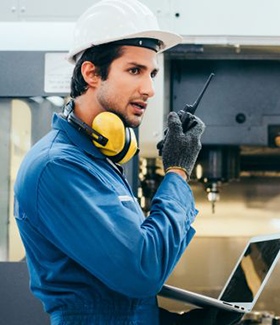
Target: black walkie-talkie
x=184, y=117
x=192, y=108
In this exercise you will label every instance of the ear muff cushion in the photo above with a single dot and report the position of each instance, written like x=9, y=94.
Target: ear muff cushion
x=132, y=148
x=111, y=127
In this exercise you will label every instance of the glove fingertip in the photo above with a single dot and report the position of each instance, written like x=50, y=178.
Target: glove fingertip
x=174, y=120
x=160, y=144
x=172, y=116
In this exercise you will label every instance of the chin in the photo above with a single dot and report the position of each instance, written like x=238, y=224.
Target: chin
x=135, y=123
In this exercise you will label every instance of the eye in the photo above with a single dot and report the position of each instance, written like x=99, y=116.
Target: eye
x=134, y=71
x=154, y=74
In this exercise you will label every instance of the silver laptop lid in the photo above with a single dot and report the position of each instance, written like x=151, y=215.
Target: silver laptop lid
x=252, y=271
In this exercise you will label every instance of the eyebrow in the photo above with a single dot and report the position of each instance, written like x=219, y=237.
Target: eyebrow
x=143, y=67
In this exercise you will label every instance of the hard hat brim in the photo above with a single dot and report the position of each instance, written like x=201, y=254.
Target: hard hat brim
x=168, y=40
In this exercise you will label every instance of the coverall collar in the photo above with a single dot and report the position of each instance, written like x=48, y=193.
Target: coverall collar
x=76, y=137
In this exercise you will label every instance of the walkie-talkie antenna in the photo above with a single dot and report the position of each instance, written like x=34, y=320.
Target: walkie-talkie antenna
x=186, y=124
x=192, y=108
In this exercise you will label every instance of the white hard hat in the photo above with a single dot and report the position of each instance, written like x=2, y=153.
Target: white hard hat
x=114, y=20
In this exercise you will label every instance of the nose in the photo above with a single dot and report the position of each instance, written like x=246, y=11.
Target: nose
x=147, y=88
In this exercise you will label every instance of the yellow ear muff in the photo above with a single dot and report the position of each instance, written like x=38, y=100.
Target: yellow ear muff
x=111, y=127
x=122, y=143
x=132, y=147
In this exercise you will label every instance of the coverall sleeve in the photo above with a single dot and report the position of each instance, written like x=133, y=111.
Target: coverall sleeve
x=82, y=215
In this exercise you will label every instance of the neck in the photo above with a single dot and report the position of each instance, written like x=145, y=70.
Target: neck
x=86, y=108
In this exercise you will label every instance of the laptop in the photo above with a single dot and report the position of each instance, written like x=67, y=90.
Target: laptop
x=246, y=281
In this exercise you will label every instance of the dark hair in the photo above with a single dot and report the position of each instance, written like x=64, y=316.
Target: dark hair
x=101, y=56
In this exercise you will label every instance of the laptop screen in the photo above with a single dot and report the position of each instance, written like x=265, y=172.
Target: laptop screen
x=251, y=271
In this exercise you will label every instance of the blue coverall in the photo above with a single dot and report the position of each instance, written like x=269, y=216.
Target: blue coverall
x=93, y=257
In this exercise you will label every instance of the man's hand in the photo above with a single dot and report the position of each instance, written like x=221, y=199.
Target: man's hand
x=180, y=150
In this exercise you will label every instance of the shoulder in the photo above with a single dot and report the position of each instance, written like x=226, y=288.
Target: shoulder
x=54, y=146
x=52, y=150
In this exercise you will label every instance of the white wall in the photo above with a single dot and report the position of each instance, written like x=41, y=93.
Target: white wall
x=225, y=17
x=196, y=17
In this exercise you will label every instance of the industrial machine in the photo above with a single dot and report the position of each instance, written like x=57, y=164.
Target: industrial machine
x=241, y=109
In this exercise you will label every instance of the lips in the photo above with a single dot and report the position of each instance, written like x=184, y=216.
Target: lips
x=139, y=104
x=138, y=107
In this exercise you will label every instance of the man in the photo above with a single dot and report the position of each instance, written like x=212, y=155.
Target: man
x=92, y=256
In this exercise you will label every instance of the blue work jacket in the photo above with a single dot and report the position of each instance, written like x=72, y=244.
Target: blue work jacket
x=93, y=257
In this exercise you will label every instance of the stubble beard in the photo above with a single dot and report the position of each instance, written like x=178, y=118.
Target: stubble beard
x=110, y=106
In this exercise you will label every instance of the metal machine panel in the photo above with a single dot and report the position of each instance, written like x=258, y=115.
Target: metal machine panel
x=241, y=103
x=17, y=304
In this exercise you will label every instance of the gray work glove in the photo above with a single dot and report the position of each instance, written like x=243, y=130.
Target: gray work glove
x=186, y=122
x=181, y=149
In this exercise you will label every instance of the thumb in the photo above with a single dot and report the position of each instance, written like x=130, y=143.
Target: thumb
x=160, y=144
x=174, y=123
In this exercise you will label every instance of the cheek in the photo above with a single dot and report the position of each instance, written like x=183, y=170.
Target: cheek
x=119, y=91
x=123, y=91
x=117, y=88
x=126, y=83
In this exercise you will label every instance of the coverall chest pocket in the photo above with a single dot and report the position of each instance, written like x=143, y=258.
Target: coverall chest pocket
x=130, y=203
x=126, y=199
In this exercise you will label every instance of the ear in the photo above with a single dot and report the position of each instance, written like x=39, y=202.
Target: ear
x=89, y=74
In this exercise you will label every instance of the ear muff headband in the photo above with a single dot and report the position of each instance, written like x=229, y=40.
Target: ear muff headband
x=70, y=116
x=82, y=126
